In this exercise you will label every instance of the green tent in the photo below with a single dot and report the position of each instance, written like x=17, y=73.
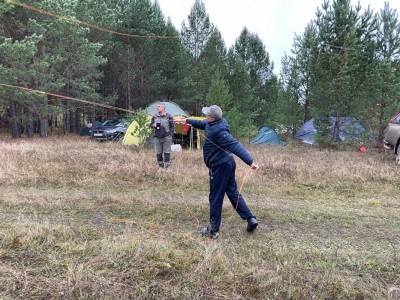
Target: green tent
x=267, y=136
x=170, y=107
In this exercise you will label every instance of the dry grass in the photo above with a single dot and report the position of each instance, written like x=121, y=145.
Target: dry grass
x=87, y=220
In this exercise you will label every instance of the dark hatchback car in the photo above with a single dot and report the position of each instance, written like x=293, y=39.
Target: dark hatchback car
x=112, y=129
x=391, y=138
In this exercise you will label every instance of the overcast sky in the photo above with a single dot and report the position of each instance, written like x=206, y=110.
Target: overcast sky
x=274, y=21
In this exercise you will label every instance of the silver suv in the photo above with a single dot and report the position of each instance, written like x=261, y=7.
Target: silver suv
x=391, y=138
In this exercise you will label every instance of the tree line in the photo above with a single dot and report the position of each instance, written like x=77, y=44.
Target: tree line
x=346, y=63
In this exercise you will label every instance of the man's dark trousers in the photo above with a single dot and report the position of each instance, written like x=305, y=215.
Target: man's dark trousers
x=222, y=180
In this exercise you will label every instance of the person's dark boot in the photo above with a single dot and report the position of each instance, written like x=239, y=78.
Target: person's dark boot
x=252, y=224
x=206, y=231
x=167, y=160
x=160, y=160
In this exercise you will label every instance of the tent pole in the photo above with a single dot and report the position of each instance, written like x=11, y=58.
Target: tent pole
x=191, y=138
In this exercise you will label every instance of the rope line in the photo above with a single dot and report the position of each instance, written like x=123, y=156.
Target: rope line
x=245, y=177
x=99, y=28
x=131, y=111
x=72, y=20
x=191, y=212
x=66, y=97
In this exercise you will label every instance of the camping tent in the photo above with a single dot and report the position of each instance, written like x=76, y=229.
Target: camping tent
x=184, y=134
x=187, y=136
x=349, y=130
x=267, y=136
x=131, y=136
x=170, y=107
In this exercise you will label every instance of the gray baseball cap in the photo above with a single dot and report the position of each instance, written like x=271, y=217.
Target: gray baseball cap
x=213, y=111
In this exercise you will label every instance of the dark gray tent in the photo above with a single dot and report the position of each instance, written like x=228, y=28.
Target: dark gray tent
x=349, y=130
x=267, y=136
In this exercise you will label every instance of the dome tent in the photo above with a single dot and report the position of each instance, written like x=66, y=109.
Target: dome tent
x=267, y=136
x=170, y=107
x=349, y=130
x=131, y=136
x=183, y=135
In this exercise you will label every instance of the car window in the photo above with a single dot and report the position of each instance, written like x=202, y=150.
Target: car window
x=395, y=118
x=114, y=122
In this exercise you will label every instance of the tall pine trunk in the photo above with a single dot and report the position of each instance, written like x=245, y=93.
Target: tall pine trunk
x=14, y=117
x=29, y=125
x=44, y=127
x=66, y=122
x=44, y=121
x=77, y=120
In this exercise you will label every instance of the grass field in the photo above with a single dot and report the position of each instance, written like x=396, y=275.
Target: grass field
x=87, y=220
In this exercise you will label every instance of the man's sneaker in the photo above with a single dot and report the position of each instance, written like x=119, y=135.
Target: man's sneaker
x=251, y=224
x=211, y=234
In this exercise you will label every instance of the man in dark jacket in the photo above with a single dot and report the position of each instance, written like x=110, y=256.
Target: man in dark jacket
x=163, y=125
x=217, y=152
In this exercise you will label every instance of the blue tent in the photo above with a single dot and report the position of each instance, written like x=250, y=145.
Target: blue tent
x=349, y=130
x=267, y=136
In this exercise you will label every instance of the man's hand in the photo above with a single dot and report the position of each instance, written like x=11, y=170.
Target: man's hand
x=254, y=166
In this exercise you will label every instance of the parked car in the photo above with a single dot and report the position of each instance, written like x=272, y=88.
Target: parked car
x=112, y=129
x=391, y=138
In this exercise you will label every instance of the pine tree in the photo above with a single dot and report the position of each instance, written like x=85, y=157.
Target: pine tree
x=290, y=106
x=61, y=60
x=250, y=50
x=384, y=77
x=198, y=31
x=341, y=60
x=240, y=124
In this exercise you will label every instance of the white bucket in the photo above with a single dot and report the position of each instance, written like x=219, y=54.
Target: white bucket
x=176, y=148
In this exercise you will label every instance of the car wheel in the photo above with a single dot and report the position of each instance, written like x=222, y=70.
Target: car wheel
x=120, y=136
x=397, y=149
